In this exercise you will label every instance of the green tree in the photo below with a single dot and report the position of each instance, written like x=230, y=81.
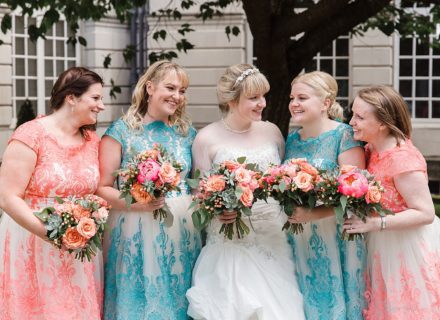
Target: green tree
x=287, y=33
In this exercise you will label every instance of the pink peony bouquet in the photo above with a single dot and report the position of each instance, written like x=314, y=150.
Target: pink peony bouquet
x=351, y=190
x=150, y=175
x=292, y=184
x=76, y=224
x=228, y=186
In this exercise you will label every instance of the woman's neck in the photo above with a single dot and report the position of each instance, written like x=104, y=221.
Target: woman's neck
x=152, y=116
x=384, y=143
x=316, y=128
x=64, y=121
x=236, y=124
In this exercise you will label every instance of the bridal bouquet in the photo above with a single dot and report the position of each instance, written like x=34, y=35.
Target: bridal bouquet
x=76, y=224
x=228, y=186
x=351, y=190
x=150, y=175
x=292, y=184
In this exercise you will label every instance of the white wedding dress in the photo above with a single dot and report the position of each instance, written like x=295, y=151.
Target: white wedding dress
x=253, y=277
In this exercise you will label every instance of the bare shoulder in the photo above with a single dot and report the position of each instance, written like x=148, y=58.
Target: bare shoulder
x=270, y=127
x=206, y=134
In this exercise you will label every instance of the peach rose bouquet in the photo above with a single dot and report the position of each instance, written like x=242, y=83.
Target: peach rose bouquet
x=351, y=190
x=76, y=224
x=149, y=175
x=228, y=186
x=293, y=185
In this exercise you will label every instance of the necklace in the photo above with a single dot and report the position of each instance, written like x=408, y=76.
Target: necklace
x=227, y=127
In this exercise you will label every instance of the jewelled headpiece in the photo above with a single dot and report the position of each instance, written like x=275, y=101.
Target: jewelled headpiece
x=244, y=74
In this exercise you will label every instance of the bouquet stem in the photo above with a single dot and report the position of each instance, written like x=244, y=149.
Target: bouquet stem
x=241, y=228
x=296, y=228
x=351, y=236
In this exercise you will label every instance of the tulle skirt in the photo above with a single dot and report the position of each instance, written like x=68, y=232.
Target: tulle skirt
x=330, y=271
x=40, y=282
x=404, y=274
x=149, y=265
x=249, y=278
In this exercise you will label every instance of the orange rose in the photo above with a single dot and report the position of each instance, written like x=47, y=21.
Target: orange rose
x=79, y=212
x=373, y=194
x=176, y=180
x=215, y=183
x=167, y=173
x=86, y=227
x=308, y=168
x=140, y=195
x=243, y=176
x=231, y=165
x=304, y=181
x=72, y=239
x=247, y=197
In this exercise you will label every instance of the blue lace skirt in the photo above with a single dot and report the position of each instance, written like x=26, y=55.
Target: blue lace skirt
x=330, y=271
x=148, y=265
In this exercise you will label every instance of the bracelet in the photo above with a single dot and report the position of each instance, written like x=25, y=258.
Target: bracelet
x=383, y=223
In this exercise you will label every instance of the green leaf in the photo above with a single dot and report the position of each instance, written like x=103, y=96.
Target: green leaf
x=247, y=211
x=241, y=160
x=343, y=200
x=82, y=41
x=193, y=183
x=228, y=32
x=6, y=23
x=59, y=200
x=235, y=31
x=282, y=186
x=196, y=218
x=339, y=214
x=107, y=61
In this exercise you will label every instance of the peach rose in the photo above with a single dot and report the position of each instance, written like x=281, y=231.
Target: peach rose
x=347, y=168
x=373, y=194
x=304, y=181
x=139, y=194
x=243, y=176
x=167, y=173
x=231, y=165
x=215, y=183
x=86, y=227
x=308, y=168
x=247, y=197
x=100, y=214
x=291, y=171
x=72, y=239
x=64, y=207
x=176, y=180
x=79, y=212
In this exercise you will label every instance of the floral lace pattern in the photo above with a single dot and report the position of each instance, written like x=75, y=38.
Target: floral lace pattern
x=403, y=276
x=330, y=271
x=149, y=266
x=38, y=281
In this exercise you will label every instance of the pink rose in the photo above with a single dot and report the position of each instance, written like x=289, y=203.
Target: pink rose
x=304, y=181
x=100, y=214
x=167, y=173
x=72, y=239
x=373, y=195
x=66, y=206
x=243, y=176
x=148, y=171
x=86, y=227
x=290, y=170
x=231, y=165
x=308, y=168
x=215, y=183
x=353, y=184
x=247, y=197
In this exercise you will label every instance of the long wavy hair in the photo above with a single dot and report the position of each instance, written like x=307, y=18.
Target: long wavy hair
x=139, y=101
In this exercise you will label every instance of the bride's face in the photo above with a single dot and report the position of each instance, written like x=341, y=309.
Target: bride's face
x=250, y=107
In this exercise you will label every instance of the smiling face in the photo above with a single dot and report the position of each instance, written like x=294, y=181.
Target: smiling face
x=306, y=105
x=249, y=107
x=365, y=124
x=166, y=96
x=89, y=104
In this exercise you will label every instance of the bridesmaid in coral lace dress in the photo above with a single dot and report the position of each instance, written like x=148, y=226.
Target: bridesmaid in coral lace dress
x=403, y=271
x=50, y=156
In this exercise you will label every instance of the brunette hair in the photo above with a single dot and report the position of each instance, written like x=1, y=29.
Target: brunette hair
x=74, y=81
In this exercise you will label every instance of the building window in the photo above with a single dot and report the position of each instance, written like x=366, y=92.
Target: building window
x=335, y=60
x=418, y=73
x=36, y=65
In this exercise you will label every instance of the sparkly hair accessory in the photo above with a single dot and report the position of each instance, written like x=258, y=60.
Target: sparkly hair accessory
x=244, y=74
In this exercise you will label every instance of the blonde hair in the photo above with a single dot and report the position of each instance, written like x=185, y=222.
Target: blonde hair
x=139, y=101
x=390, y=109
x=325, y=87
x=237, y=80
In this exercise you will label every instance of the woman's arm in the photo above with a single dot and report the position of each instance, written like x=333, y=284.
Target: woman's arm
x=110, y=152
x=414, y=190
x=15, y=172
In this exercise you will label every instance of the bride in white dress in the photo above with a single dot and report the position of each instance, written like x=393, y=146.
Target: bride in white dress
x=252, y=277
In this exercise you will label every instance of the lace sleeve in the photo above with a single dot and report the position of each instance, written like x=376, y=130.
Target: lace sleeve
x=200, y=153
x=347, y=140
x=116, y=130
x=29, y=133
x=406, y=159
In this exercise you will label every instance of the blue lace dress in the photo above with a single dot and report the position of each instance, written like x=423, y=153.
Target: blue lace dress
x=330, y=271
x=148, y=265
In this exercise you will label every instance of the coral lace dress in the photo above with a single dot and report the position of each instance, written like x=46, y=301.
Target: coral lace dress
x=403, y=267
x=38, y=281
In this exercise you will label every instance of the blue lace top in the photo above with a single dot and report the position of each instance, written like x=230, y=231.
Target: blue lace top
x=322, y=151
x=155, y=132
